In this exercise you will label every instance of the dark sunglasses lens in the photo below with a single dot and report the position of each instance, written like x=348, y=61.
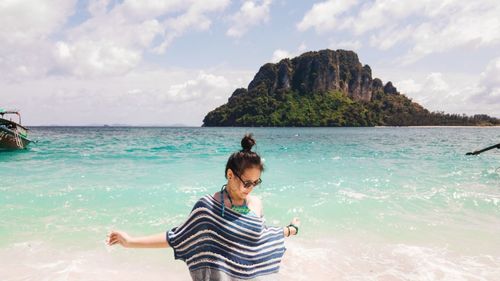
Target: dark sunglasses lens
x=249, y=184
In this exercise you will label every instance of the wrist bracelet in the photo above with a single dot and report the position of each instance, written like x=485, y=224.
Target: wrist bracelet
x=296, y=228
x=288, y=228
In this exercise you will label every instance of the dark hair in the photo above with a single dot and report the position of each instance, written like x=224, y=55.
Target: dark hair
x=241, y=160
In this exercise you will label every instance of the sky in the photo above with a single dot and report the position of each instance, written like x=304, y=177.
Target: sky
x=170, y=62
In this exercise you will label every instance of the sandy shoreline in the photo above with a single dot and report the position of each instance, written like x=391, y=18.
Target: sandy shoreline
x=304, y=260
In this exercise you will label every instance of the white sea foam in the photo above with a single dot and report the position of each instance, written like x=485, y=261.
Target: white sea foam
x=305, y=259
x=36, y=260
x=362, y=260
x=352, y=194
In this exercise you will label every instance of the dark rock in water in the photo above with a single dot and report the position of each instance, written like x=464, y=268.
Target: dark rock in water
x=326, y=88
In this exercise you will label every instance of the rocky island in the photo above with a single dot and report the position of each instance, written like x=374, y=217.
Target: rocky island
x=327, y=89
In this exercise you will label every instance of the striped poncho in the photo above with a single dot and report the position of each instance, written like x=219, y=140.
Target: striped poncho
x=229, y=247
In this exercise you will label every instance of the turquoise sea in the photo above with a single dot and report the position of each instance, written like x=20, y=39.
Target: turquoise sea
x=375, y=203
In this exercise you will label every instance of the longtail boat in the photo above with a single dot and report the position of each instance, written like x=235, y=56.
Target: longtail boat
x=12, y=135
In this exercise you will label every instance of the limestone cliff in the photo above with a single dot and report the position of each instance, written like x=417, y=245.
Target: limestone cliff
x=326, y=88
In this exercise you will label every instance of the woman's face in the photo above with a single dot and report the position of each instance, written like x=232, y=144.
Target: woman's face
x=238, y=185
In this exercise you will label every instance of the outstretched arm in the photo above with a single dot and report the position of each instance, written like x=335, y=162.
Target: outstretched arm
x=153, y=241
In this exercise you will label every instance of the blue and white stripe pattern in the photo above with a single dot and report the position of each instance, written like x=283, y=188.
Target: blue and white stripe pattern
x=239, y=245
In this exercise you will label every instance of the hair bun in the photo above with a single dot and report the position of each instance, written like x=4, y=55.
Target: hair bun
x=247, y=142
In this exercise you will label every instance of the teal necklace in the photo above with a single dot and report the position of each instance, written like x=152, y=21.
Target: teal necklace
x=240, y=209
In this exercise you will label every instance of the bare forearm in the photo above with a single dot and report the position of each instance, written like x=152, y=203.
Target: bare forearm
x=153, y=241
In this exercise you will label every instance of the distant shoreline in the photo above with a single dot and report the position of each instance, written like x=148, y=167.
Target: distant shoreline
x=170, y=126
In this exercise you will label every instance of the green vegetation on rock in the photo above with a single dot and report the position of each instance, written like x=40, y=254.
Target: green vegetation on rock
x=326, y=89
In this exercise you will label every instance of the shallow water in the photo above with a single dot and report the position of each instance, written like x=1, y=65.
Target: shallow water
x=375, y=203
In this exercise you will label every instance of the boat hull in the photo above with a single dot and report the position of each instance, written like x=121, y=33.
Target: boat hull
x=9, y=140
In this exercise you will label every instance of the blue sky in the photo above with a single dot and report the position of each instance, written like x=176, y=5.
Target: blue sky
x=153, y=62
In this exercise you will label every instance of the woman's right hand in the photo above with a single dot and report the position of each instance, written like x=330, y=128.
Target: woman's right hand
x=119, y=237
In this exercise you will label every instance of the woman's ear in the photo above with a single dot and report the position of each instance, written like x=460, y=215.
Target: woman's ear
x=229, y=174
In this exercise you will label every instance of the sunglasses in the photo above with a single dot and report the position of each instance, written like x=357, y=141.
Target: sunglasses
x=248, y=184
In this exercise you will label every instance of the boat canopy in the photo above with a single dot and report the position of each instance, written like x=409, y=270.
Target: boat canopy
x=3, y=112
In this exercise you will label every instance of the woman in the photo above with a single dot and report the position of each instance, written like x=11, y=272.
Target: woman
x=224, y=237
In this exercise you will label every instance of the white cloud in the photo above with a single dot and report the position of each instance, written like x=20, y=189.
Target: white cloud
x=323, y=16
x=98, y=7
x=24, y=22
x=205, y=87
x=250, y=14
x=280, y=54
x=383, y=13
x=139, y=97
x=194, y=18
x=347, y=45
x=427, y=26
x=302, y=48
x=409, y=86
x=98, y=49
x=454, y=94
x=91, y=58
x=389, y=37
x=95, y=47
x=489, y=86
x=25, y=29
x=472, y=23
x=432, y=91
x=139, y=10
x=110, y=42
